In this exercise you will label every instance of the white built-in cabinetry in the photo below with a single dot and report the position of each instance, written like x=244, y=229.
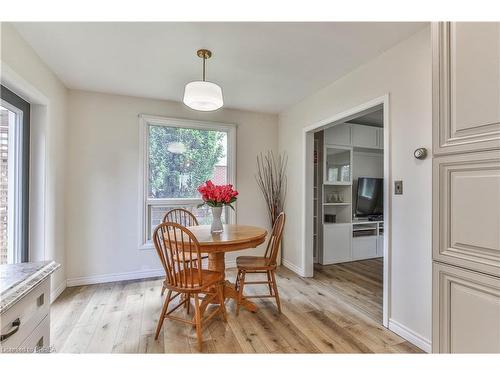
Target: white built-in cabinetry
x=336, y=243
x=367, y=239
x=346, y=240
x=355, y=135
x=338, y=135
x=26, y=324
x=466, y=187
x=365, y=136
x=25, y=306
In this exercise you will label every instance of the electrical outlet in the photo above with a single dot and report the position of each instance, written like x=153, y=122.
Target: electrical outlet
x=398, y=187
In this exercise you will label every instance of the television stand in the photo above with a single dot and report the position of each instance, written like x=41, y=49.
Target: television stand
x=367, y=238
x=357, y=240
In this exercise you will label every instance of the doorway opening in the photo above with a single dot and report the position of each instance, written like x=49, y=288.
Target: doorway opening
x=347, y=205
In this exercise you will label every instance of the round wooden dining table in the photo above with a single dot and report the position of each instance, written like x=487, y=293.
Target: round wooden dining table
x=234, y=237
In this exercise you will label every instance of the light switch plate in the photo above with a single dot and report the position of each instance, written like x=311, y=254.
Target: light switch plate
x=398, y=187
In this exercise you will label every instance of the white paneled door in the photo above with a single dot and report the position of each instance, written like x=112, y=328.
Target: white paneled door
x=466, y=188
x=466, y=86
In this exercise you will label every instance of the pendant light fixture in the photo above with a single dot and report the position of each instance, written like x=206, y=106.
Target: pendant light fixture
x=203, y=95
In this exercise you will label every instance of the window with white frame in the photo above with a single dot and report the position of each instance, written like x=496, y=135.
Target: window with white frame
x=177, y=157
x=14, y=181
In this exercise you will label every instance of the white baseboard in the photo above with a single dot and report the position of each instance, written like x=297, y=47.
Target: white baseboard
x=110, y=277
x=410, y=336
x=57, y=291
x=292, y=267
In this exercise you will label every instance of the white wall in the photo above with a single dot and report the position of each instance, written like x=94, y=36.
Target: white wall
x=404, y=72
x=102, y=179
x=25, y=73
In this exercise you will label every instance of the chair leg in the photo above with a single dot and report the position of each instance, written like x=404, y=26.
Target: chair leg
x=220, y=292
x=162, y=315
x=197, y=317
x=240, y=291
x=188, y=302
x=269, y=282
x=163, y=289
x=275, y=287
x=237, y=281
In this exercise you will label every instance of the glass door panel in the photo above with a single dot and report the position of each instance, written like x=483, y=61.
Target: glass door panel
x=14, y=152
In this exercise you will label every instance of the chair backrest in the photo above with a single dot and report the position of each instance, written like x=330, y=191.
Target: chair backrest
x=180, y=216
x=274, y=243
x=175, y=244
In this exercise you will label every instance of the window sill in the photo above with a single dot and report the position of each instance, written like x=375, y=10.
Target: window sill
x=146, y=246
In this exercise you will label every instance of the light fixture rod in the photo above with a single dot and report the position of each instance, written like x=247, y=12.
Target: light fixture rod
x=204, y=59
x=204, y=54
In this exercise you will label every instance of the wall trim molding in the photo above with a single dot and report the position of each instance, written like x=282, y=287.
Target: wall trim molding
x=121, y=276
x=110, y=277
x=135, y=275
x=411, y=336
x=294, y=268
x=56, y=292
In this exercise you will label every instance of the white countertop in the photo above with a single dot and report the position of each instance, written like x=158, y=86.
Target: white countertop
x=17, y=280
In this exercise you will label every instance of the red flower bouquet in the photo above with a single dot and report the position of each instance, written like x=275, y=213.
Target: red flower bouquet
x=217, y=195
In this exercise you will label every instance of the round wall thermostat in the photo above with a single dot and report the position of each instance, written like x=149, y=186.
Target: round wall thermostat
x=420, y=153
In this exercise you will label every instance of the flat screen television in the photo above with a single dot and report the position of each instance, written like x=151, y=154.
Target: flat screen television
x=370, y=196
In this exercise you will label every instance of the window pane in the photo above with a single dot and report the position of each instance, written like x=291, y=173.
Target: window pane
x=14, y=177
x=7, y=120
x=156, y=213
x=4, y=183
x=181, y=159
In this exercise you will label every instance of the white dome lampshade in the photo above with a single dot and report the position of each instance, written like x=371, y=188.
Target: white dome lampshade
x=203, y=96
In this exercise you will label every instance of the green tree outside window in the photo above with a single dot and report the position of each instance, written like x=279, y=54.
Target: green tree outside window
x=178, y=175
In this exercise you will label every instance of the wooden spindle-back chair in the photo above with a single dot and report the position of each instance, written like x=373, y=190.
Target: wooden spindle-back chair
x=186, y=219
x=180, y=216
x=266, y=264
x=174, y=243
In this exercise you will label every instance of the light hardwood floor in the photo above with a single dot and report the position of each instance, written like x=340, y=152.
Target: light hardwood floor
x=358, y=283
x=324, y=314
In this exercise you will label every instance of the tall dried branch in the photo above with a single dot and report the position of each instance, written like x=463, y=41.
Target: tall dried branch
x=271, y=178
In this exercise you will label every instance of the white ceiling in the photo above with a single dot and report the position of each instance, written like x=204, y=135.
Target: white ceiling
x=261, y=66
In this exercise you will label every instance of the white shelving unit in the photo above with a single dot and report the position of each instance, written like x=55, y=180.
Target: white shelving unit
x=346, y=239
x=337, y=184
x=337, y=201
